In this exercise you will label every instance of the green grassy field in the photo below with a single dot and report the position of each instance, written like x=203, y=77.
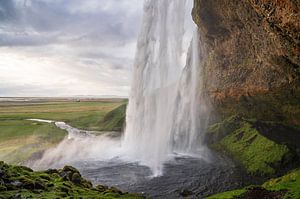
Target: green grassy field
x=20, y=139
x=85, y=115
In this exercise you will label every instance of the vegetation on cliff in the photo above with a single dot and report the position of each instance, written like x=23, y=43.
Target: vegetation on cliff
x=251, y=144
x=287, y=186
x=115, y=119
x=22, y=182
x=251, y=68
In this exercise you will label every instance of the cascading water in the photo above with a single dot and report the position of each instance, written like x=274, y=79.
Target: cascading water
x=165, y=116
x=162, y=115
x=186, y=116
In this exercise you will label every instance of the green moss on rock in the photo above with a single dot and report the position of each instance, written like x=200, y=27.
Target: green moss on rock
x=289, y=182
x=22, y=182
x=287, y=186
x=245, y=142
x=227, y=195
x=219, y=130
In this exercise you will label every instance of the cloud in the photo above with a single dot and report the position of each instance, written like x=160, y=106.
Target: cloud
x=7, y=10
x=91, y=41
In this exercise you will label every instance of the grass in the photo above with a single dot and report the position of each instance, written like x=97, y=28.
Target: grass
x=227, y=195
x=85, y=115
x=114, y=120
x=289, y=183
x=62, y=183
x=20, y=139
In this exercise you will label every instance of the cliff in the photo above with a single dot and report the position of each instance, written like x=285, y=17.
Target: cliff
x=251, y=79
x=252, y=57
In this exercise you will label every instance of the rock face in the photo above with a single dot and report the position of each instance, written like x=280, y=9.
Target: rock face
x=252, y=58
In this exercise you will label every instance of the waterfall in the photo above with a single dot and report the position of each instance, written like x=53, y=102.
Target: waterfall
x=186, y=116
x=162, y=114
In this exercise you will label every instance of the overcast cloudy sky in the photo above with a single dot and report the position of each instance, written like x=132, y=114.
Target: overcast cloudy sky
x=67, y=47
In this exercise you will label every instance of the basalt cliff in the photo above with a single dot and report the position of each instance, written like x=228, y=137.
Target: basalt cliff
x=252, y=57
x=251, y=79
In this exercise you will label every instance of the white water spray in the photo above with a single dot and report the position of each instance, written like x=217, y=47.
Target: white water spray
x=162, y=111
x=163, y=115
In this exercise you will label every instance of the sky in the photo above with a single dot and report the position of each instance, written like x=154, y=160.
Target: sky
x=67, y=47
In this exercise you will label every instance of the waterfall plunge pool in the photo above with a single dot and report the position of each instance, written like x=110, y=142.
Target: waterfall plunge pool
x=182, y=174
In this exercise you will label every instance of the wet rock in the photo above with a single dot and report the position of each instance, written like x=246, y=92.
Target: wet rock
x=76, y=178
x=28, y=184
x=101, y=188
x=1, y=182
x=17, y=183
x=65, y=175
x=70, y=169
x=86, y=184
x=50, y=185
x=3, y=188
x=63, y=195
x=10, y=187
x=39, y=185
x=51, y=171
x=17, y=196
x=114, y=190
x=186, y=193
x=64, y=189
x=259, y=192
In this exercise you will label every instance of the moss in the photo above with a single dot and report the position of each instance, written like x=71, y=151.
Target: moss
x=219, y=130
x=252, y=143
x=289, y=182
x=255, y=152
x=288, y=185
x=227, y=195
x=22, y=182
